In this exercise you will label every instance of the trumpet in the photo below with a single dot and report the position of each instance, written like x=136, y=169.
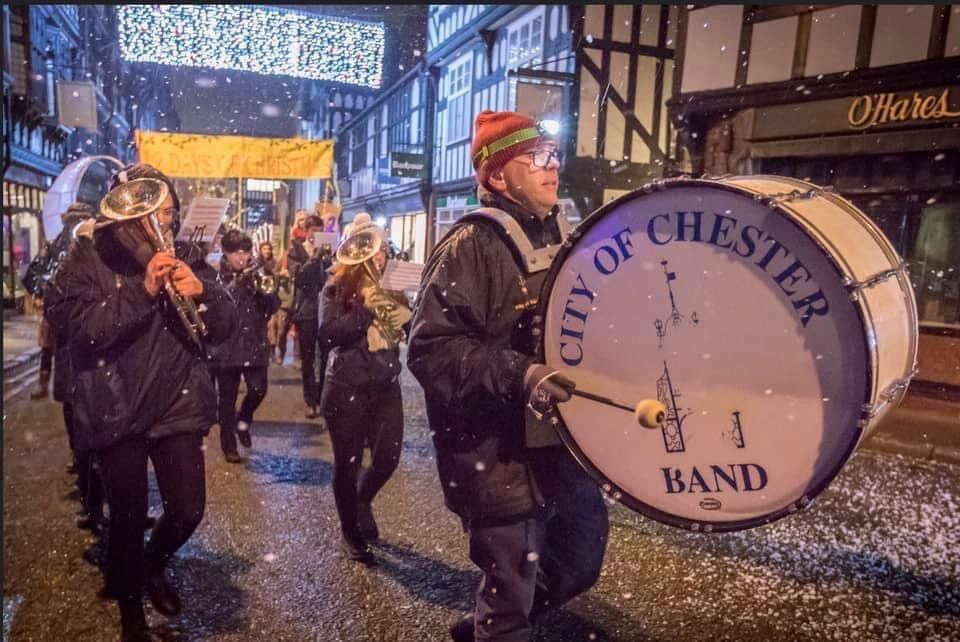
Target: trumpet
x=139, y=198
x=389, y=314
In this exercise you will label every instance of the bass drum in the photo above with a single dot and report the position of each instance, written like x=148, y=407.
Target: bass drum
x=771, y=318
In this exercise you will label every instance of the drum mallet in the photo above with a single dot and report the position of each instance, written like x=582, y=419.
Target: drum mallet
x=650, y=413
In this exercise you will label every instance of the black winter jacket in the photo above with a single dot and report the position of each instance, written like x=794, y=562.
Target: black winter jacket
x=247, y=345
x=135, y=370
x=307, y=285
x=469, y=348
x=343, y=329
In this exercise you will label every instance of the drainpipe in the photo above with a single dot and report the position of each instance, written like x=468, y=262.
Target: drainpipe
x=432, y=74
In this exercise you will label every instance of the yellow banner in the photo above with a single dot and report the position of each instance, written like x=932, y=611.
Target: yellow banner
x=197, y=156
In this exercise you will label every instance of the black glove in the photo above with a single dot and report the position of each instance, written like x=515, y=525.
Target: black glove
x=545, y=387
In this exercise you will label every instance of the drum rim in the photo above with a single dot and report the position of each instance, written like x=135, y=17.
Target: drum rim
x=610, y=488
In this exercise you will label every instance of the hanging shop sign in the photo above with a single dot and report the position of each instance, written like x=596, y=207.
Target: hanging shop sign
x=407, y=165
x=197, y=156
x=865, y=112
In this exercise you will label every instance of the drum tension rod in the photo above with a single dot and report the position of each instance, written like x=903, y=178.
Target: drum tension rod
x=784, y=197
x=890, y=394
x=854, y=287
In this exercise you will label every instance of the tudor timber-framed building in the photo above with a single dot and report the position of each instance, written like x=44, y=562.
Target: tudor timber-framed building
x=44, y=45
x=864, y=98
x=604, y=71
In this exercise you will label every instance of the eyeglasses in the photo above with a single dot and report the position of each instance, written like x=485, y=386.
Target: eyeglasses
x=541, y=157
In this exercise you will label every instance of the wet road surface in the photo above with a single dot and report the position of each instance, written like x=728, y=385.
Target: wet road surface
x=877, y=556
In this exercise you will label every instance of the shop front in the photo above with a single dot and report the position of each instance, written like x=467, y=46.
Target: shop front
x=896, y=156
x=401, y=213
x=22, y=235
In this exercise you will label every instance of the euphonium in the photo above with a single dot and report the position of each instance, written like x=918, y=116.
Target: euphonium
x=389, y=315
x=140, y=198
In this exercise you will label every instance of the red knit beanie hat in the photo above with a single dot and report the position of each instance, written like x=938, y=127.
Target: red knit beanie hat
x=500, y=136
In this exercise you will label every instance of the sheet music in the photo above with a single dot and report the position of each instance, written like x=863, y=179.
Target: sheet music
x=330, y=238
x=402, y=275
x=205, y=213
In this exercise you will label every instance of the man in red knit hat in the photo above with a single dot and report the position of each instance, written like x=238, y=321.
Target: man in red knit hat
x=537, y=523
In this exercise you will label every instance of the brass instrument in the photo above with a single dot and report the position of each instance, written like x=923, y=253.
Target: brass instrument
x=140, y=198
x=263, y=281
x=389, y=315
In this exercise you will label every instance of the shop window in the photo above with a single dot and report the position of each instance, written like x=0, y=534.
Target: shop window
x=445, y=219
x=892, y=213
x=525, y=40
x=935, y=262
x=901, y=34
x=19, y=50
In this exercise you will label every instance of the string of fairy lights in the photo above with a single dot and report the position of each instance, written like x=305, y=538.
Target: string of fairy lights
x=256, y=39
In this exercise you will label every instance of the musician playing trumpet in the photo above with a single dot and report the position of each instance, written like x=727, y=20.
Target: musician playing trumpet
x=138, y=320
x=361, y=403
x=246, y=353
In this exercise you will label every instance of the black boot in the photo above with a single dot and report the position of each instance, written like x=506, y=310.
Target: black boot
x=462, y=631
x=133, y=622
x=368, y=525
x=358, y=550
x=162, y=594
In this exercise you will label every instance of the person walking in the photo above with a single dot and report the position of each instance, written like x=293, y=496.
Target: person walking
x=246, y=353
x=141, y=387
x=309, y=264
x=536, y=522
x=361, y=403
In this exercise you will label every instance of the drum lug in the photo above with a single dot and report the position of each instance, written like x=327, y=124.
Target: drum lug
x=854, y=287
x=785, y=197
x=891, y=394
x=537, y=323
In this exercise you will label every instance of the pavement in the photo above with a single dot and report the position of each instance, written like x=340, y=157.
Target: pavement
x=920, y=427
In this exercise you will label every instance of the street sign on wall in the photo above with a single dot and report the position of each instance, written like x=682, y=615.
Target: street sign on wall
x=407, y=165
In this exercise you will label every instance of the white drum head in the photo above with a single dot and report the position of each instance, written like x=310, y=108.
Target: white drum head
x=739, y=323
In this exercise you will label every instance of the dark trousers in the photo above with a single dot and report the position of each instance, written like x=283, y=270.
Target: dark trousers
x=312, y=355
x=88, y=475
x=539, y=562
x=359, y=417
x=46, y=359
x=284, y=321
x=179, y=466
x=228, y=387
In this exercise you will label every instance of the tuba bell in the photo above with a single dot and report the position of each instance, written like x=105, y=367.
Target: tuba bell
x=142, y=198
x=388, y=314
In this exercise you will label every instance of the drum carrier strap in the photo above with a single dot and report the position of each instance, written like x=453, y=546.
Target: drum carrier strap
x=533, y=260
x=540, y=431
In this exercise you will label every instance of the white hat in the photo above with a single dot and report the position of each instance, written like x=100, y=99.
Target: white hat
x=362, y=221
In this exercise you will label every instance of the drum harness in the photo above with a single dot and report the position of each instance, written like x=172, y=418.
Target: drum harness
x=533, y=264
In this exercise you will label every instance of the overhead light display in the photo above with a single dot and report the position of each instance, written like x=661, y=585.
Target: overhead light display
x=252, y=38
